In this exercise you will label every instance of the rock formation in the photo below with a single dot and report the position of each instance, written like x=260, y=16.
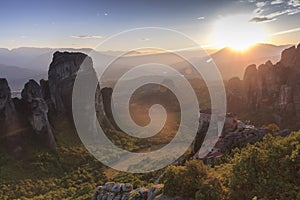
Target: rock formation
x=235, y=133
x=105, y=100
x=38, y=112
x=7, y=108
x=9, y=122
x=62, y=73
x=10, y=127
x=49, y=99
x=123, y=191
x=269, y=88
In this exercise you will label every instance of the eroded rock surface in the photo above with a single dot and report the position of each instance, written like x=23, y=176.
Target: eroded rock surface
x=6, y=105
x=269, y=88
x=62, y=73
x=38, y=112
x=124, y=191
x=7, y=108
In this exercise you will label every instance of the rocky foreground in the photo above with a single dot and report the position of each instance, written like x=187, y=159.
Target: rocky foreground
x=125, y=191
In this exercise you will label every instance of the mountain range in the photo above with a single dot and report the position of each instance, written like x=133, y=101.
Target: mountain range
x=17, y=65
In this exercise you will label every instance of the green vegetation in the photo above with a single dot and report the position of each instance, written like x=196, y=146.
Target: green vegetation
x=69, y=172
x=191, y=179
x=269, y=169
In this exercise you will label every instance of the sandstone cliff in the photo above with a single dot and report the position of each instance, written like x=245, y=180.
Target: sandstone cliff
x=62, y=73
x=269, y=88
x=37, y=112
x=51, y=98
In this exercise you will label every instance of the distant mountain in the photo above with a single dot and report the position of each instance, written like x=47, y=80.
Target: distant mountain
x=31, y=57
x=17, y=76
x=232, y=63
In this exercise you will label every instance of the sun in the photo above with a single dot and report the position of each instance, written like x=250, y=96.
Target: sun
x=238, y=33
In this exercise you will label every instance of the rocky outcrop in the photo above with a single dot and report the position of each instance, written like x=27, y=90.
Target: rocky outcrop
x=8, y=115
x=10, y=127
x=7, y=108
x=241, y=137
x=269, y=88
x=105, y=101
x=235, y=133
x=49, y=99
x=235, y=94
x=250, y=85
x=124, y=191
x=37, y=112
x=61, y=76
x=291, y=57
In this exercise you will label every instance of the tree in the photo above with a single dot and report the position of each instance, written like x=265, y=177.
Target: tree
x=269, y=169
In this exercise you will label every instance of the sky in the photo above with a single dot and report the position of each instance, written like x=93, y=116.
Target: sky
x=85, y=23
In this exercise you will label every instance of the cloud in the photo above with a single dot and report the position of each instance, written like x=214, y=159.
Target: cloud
x=144, y=39
x=286, y=31
x=261, y=19
x=278, y=13
x=275, y=2
x=294, y=3
x=267, y=11
x=86, y=36
x=260, y=4
x=294, y=11
x=201, y=18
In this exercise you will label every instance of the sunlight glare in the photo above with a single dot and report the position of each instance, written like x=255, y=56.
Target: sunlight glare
x=238, y=33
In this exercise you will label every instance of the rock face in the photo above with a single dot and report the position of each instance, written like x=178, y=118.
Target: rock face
x=123, y=191
x=7, y=108
x=62, y=74
x=9, y=123
x=51, y=98
x=270, y=88
x=59, y=88
x=38, y=112
x=235, y=133
x=105, y=100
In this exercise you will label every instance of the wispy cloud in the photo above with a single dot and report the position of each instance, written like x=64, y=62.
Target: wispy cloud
x=261, y=4
x=276, y=2
x=267, y=11
x=86, y=36
x=286, y=31
x=201, y=18
x=294, y=3
x=145, y=39
x=293, y=12
x=261, y=19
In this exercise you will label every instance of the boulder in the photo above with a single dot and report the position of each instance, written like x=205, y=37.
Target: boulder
x=126, y=187
x=123, y=191
x=152, y=193
x=284, y=133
